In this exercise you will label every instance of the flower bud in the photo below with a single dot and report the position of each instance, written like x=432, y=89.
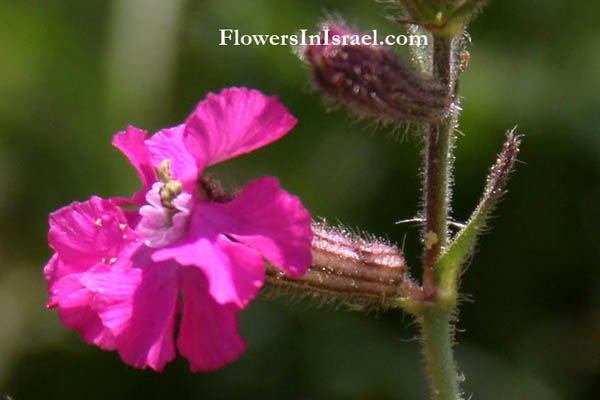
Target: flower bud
x=441, y=17
x=370, y=80
x=350, y=270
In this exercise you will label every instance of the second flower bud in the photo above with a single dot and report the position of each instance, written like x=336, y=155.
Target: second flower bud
x=370, y=80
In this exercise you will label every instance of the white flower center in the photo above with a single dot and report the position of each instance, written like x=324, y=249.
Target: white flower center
x=163, y=225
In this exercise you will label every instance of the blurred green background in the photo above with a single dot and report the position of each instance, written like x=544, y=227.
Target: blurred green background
x=72, y=73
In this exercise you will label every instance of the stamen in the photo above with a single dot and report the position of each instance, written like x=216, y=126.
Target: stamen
x=164, y=217
x=163, y=171
x=168, y=192
x=170, y=188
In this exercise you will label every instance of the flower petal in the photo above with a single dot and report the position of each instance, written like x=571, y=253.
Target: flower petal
x=269, y=220
x=111, y=291
x=148, y=339
x=233, y=122
x=168, y=144
x=208, y=337
x=131, y=310
x=117, y=307
x=74, y=305
x=131, y=143
x=105, y=285
x=120, y=307
x=234, y=271
x=85, y=234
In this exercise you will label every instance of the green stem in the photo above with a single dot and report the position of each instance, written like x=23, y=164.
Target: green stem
x=435, y=315
x=437, y=335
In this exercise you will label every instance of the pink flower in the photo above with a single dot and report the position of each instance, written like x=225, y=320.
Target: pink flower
x=117, y=273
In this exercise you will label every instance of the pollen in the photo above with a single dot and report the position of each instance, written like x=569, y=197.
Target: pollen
x=112, y=260
x=98, y=222
x=122, y=227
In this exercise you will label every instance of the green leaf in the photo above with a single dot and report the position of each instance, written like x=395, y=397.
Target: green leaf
x=449, y=265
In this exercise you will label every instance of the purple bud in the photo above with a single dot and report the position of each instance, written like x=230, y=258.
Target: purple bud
x=370, y=80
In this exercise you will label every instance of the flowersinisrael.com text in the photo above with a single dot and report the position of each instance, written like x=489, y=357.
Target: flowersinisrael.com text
x=234, y=38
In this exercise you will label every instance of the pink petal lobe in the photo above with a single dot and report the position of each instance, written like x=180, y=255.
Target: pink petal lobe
x=85, y=234
x=148, y=338
x=124, y=308
x=75, y=309
x=235, y=121
x=131, y=143
x=131, y=310
x=111, y=289
x=106, y=287
x=168, y=144
x=234, y=271
x=270, y=221
x=208, y=336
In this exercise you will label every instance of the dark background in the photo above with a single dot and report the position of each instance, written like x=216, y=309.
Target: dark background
x=72, y=73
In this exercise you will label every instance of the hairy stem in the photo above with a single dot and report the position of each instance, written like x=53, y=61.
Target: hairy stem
x=435, y=316
x=437, y=335
x=438, y=158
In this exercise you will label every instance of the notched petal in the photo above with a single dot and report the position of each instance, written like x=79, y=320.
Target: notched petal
x=208, y=337
x=131, y=143
x=236, y=121
x=84, y=234
x=168, y=144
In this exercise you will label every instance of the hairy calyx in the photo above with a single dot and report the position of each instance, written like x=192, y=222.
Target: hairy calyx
x=351, y=270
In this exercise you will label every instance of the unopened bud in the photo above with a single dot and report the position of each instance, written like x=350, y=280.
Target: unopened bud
x=371, y=82
x=350, y=270
x=441, y=17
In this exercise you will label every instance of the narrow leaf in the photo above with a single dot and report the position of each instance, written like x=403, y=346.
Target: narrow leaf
x=449, y=265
